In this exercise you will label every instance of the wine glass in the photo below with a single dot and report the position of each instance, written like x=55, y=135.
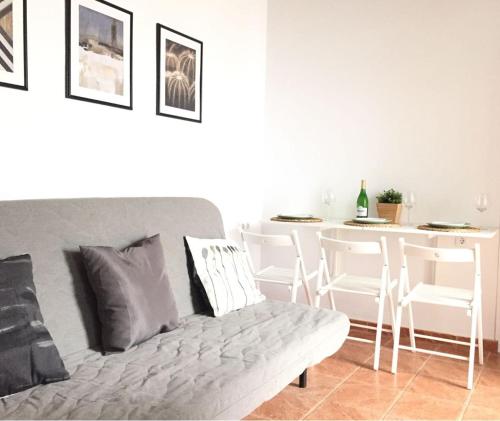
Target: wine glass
x=328, y=199
x=482, y=202
x=409, y=202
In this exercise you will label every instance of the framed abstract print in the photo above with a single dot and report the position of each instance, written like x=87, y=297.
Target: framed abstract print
x=99, y=53
x=179, y=75
x=13, y=44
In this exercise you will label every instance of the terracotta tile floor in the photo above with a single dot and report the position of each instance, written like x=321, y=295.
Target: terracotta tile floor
x=426, y=387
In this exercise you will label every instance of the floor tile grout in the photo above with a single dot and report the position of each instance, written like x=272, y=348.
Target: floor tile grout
x=469, y=397
x=401, y=393
x=335, y=388
x=467, y=400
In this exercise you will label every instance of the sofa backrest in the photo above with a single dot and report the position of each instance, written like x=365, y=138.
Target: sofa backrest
x=51, y=231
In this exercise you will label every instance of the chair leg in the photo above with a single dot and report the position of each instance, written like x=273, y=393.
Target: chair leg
x=295, y=282
x=393, y=316
x=330, y=292
x=395, y=347
x=480, y=333
x=319, y=284
x=332, y=300
x=410, y=320
x=378, y=336
x=300, y=271
x=472, y=348
x=305, y=284
x=294, y=292
x=317, y=300
x=411, y=327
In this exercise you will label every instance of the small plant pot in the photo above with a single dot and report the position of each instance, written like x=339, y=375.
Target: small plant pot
x=389, y=211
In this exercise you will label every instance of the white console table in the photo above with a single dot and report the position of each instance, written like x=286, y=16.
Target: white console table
x=338, y=225
x=487, y=237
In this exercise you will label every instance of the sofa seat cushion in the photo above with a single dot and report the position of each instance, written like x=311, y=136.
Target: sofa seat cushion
x=208, y=368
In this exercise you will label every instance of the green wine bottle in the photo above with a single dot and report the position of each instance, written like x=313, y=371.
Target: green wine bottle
x=362, y=202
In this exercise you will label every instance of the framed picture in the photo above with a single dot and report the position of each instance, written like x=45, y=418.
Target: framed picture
x=99, y=53
x=178, y=75
x=13, y=44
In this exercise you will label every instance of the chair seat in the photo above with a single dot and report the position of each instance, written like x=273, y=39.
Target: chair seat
x=358, y=284
x=436, y=294
x=279, y=275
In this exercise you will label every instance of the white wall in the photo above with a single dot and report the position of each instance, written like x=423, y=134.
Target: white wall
x=403, y=93
x=56, y=147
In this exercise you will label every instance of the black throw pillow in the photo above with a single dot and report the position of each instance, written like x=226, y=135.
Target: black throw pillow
x=28, y=355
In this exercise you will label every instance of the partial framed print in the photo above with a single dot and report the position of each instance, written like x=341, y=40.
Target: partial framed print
x=99, y=53
x=179, y=75
x=13, y=44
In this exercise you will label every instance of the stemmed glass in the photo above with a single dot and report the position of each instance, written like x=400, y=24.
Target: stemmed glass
x=409, y=202
x=482, y=202
x=328, y=199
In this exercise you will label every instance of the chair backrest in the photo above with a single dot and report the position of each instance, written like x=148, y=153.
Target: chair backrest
x=334, y=246
x=273, y=240
x=282, y=240
x=354, y=247
x=435, y=254
x=442, y=255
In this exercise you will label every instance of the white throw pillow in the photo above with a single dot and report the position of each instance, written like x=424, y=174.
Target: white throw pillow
x=225, y=274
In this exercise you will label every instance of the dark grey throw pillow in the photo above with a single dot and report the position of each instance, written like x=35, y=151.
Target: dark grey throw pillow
x=134, y=298
x=28, y=356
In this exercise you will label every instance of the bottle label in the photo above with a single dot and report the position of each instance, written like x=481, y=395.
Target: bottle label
x=361, y=212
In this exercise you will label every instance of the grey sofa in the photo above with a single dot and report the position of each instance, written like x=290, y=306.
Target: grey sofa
x=206, y=369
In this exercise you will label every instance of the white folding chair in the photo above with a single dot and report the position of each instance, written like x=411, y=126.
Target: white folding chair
x=380, y=288
x=468, y=299
x=292, y=278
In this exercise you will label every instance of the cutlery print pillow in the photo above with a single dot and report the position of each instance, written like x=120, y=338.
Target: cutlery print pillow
x=225, y=274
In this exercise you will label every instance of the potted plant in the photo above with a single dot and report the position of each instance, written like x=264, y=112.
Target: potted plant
x=389, y=205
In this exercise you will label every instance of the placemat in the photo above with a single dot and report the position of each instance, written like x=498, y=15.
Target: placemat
x=357, y=224
x=462, y=230
x=277, y=218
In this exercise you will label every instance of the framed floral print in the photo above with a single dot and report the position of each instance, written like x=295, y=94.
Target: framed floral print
x=179, y=75
x=13, y=44
x=99, y=53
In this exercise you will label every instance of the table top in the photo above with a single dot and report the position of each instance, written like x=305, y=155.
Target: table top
x=485, y=233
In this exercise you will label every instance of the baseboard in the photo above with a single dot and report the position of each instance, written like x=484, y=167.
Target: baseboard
x=490, y=345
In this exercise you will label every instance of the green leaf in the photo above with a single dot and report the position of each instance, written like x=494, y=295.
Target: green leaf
x=390, y=196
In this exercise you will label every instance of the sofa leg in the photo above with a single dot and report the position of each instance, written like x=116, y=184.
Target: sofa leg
x=303, y=380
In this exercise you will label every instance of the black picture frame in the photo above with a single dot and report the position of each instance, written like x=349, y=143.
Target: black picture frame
x=197, y=118
x=68, y=47
x=24, y=85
